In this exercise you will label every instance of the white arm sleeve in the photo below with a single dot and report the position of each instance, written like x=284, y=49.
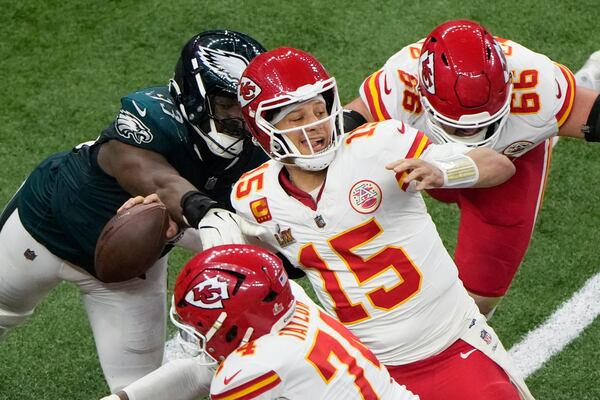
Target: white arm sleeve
x=445, y=150
x=183, y=379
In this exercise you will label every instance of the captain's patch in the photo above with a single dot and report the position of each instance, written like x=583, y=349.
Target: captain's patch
x=365, y=197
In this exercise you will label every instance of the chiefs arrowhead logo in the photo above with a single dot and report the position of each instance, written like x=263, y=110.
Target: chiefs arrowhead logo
x=426, y=71
x=208, y=294
x=248, y=91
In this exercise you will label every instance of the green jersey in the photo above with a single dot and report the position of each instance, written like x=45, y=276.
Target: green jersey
x=68, y=198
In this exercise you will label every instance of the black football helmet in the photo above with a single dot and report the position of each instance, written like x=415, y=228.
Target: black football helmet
x=205, y=87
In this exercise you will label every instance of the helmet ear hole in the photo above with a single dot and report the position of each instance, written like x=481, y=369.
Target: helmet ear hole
x=231, y=334
x=444, y=59
x=270, y=297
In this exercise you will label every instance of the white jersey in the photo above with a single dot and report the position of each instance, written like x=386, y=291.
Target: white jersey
x=542, y=97
x=368, y=247
x=313, y=357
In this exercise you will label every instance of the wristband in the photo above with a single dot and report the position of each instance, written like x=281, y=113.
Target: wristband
x=352, y=120
x=460, y=171
x=194, y=206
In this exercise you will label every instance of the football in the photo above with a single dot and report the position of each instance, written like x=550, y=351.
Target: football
x=131, y=242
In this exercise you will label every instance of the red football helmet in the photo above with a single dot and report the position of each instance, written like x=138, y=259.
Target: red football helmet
x=279, y=78
x=229, y=295
x=464, y=83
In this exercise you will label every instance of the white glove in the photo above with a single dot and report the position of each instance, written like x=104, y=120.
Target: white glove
x=220, y=226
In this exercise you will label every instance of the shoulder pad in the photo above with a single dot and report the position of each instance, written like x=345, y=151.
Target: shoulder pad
x=150, y=116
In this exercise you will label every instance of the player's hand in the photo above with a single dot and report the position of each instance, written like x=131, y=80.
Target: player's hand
x=420, y=174
x=151, y=198
x=220, y=226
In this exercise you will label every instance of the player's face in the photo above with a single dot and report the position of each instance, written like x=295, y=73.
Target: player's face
x=312, y=137
x=465, y=133
x=227, y=114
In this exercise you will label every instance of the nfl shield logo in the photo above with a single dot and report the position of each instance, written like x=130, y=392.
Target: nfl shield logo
x=486, y=336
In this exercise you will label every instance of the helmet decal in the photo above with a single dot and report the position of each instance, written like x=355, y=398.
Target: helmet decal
x=209, y=293
x=277, y=308
x=226, y=64
x=249, y=90
x=131, y=127
x=502, y=61
x=426, y=70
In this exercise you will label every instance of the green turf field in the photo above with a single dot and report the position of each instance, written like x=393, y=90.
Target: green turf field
x=64, y=66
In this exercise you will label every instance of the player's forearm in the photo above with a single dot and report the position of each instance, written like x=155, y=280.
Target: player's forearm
x=494, y=168
x=183, y=379
x=142, y=172
x=359, y=106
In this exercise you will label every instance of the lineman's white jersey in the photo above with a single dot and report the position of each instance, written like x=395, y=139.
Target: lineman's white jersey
x=542, y=98
x=369, y=248
x=313, y=357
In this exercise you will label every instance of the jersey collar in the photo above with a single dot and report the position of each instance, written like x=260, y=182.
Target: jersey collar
x=297, y=193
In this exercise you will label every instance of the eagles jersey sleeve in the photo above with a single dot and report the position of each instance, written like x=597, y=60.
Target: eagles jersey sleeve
x=148, y=119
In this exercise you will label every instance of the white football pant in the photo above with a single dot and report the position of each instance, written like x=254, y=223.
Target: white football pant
x=128, y=319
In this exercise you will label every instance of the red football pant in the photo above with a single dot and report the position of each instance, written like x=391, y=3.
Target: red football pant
x=496, y=223
x=458, y=373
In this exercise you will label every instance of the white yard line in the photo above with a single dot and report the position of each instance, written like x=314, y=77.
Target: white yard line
x=562, y=327
x=540, y=344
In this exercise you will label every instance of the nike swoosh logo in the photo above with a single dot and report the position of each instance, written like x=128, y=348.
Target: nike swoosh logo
x=559, y=94
x=140, y=111
x=467, y=354
x=401, y=130
x=386, y=89
x=227, y=380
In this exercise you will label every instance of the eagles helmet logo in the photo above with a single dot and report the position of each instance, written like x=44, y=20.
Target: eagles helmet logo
x=208, y=294
x=131, y=127
x=228, y=66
